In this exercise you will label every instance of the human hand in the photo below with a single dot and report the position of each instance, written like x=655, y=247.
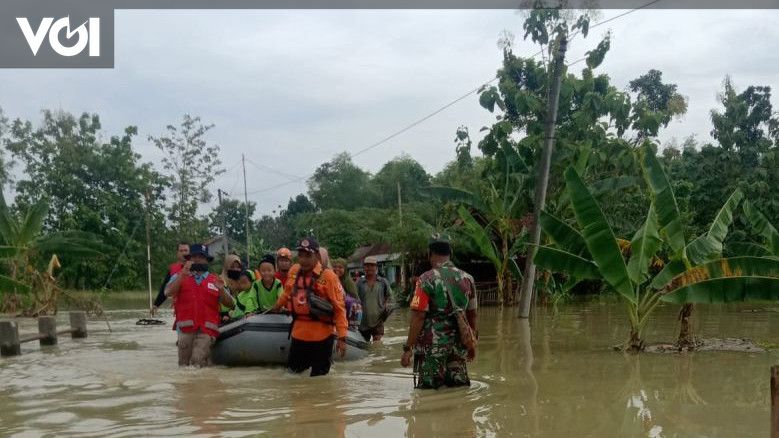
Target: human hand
x=186, y=269
x=471, y=354
x=405, y=359
x=153, y=311
x=340, y=347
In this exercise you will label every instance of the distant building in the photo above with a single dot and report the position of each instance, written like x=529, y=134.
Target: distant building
x=389, y=260
x=219, y=245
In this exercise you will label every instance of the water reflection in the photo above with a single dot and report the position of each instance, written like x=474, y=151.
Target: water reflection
x=552, y=376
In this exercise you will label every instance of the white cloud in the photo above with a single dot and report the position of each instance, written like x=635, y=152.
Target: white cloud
x=292, y=88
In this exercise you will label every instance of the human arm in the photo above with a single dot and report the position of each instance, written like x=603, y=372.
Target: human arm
x=335, y=295
x=225, y=298
x=161, y=297
x=420, y=304
x=414, y=329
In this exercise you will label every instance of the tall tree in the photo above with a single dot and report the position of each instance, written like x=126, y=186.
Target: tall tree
x=89, y=185
x=233, y=213
x=404, y=171
x=655, y=104
x=339, y=184
x=191, y=163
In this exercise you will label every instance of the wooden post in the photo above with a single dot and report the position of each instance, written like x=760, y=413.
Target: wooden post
x=47, y=327
x=775, y=401
x=9, y=339
x=78, y=324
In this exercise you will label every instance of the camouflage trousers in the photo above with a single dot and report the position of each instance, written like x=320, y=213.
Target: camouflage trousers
x=441, y=365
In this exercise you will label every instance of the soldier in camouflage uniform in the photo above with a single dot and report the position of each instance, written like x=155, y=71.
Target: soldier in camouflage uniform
x=439, y=355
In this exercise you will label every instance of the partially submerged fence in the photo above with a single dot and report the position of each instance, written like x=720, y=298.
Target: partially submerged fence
x=487, y=293
x=11, y=342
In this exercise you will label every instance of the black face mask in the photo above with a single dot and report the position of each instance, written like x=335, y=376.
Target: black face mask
x=199, y=267
x=233, y=275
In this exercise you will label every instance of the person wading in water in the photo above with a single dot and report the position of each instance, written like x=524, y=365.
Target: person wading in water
x=198, y=294
x=442, y=335
x=376, y=296
x=314, y=297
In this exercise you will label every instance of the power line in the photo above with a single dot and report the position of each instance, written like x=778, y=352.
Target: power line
x=448, y=105
x=272, y=170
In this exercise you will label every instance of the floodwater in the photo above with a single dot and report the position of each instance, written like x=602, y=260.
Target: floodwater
x=552, y=377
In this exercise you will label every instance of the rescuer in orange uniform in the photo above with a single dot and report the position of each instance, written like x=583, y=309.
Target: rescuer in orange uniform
x=313, y=295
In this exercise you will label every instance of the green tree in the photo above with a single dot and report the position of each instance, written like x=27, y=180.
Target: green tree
x=89, y=185
x=655, y=104
x=406, y=172
x=340, y=184
x=233, y=212
x=191, y=163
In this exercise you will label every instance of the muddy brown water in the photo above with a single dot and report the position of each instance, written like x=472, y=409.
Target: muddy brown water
x=552, y=377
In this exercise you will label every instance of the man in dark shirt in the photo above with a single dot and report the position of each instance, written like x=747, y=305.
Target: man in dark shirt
x=182, y=252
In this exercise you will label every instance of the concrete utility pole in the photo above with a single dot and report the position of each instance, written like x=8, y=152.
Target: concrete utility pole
x=246, y=210
x=148, y=248
x=553, y=101
x=225, y=245
x=402, y=256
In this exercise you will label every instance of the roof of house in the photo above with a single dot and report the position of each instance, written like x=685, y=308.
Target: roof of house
x=382, y=251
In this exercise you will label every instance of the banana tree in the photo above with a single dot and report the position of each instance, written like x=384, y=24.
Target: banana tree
x=683, y=255
x=593, y=252
x=491, y=224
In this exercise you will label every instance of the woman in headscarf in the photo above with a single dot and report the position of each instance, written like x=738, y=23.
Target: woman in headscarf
x=351, y=298
x=231, y=274
x=339, y=267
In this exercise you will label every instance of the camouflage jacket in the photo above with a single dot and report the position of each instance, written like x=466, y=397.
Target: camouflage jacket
x=430, y=296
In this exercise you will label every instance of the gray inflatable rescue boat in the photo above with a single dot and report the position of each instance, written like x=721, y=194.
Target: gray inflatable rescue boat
x=264, y=339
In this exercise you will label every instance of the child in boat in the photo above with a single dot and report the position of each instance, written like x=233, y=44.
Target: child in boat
x=246, y=300
x=268, y=288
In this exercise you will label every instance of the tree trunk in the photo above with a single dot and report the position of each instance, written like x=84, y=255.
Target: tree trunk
x=501, y=290
x=686, y=339
x=635, y=344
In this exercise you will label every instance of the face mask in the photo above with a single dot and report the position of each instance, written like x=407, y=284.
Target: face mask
x=199, y=267
x=233, y=275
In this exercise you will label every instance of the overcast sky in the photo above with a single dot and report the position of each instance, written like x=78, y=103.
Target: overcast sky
x=290, y=89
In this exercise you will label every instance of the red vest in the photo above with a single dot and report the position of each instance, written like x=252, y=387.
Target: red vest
x=197, y=306
x=175, y=268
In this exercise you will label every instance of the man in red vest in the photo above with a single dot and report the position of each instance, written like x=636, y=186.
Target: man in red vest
x=198, y=294
x=181, y=257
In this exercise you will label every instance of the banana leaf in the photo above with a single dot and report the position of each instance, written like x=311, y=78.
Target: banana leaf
x=727, y=289
x=452, y=194
x=709, y=246
x=669, y=271
x=668, y=217
x=557, y=260
x=516, y=272
x=32, y=223
x=644, y=246
x=762, y=226
x=479, y=236
x=563, y=235
x=741, y=273
x=599, y=237
x=9, y=251
x=748, y=249
x=8, y=284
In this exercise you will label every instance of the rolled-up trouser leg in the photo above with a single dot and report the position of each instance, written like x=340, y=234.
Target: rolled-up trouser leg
x=185, y=343
x=201, y=350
